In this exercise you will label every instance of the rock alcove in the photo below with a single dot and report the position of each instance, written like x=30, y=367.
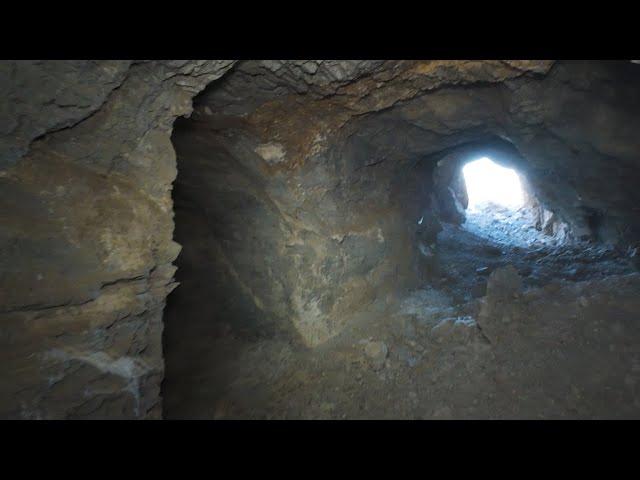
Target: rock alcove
x=324, y=263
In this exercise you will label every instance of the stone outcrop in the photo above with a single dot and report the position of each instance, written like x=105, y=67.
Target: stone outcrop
x=86, y=246
x=302, y=185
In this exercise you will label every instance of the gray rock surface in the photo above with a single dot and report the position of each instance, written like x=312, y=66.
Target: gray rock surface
x=504, y=283
x=376, y=352
x=86, y=247
x=301, y=183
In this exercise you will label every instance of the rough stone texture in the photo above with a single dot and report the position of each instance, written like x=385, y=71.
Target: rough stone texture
x=86, y=167
x=377, y=353
x=301, y=185
x=330, y=173
x=504, y=283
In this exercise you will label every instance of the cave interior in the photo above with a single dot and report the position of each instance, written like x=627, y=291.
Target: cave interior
x=390, y=187
x=316, y=249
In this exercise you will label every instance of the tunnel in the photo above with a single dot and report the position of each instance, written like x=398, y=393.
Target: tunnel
x=304, y=240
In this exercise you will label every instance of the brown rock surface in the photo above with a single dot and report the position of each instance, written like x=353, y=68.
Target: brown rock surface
x=86, y=232
x=301, y=185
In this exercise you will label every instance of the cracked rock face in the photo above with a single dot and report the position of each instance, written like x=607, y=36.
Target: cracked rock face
x=301, y=185
x=328, y=176
x=86, y=244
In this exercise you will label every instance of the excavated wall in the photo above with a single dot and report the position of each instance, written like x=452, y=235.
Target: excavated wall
x=300, y=187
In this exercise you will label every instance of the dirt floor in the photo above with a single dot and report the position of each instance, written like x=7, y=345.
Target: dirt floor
x=503, y=332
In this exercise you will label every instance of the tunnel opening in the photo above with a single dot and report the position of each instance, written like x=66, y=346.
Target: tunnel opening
x=230, y=325
x=328, y=267
x=490, y=185
x=484, y=189
x=502, y=207
x=318, y=260
x=489, y=214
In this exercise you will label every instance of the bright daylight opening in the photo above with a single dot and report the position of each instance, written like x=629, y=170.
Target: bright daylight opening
x=497, y=209
x=487, y=183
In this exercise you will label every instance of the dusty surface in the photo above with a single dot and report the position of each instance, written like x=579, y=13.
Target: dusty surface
x=299, y=193
x=568, y=349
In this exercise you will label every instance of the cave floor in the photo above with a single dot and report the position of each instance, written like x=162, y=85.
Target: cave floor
x=567, y=346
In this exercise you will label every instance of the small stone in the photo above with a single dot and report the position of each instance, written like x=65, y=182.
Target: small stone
x=504, y=282
x=377, y=353
x=272, y=153
x=412, y=361
x=310, y=67
x=406, y=357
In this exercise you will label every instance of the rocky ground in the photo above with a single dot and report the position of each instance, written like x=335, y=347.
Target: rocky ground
x=494, y=236
x=508, y=226
x=503, y=332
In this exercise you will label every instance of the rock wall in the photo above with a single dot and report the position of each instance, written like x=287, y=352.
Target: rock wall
x=86, y=246
x=336, y=169
x=302, y=183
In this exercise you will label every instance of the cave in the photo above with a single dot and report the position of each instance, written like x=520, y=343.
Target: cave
x=319, y=239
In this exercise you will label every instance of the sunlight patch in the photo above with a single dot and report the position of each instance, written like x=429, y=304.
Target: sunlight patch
x=487, y=182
